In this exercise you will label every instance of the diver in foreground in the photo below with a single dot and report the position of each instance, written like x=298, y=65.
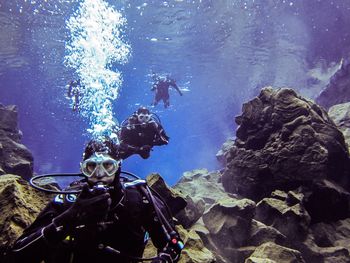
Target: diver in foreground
x=139, y=133
x=161, y=87
x=106, y=222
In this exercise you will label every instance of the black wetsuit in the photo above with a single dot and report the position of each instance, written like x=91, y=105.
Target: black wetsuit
x=161, y=87
x=130, y=216
x=134, y=136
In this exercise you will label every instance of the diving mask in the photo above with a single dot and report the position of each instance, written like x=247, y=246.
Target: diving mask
x=143, y=118
x=99, y=162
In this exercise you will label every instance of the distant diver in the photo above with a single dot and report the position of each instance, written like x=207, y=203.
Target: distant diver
x=161, y=86
x=74, y=93
x=139, y=133
x=106, y=222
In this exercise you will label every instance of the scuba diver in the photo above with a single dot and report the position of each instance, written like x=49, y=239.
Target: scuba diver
x=74, y=93
x=106, y=222
x=161, y=87
x=139, y=133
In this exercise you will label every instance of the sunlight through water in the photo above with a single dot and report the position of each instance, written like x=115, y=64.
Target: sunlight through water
x=94, y=49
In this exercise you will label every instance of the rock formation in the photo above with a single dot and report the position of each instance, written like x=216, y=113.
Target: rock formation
x=15, y=158
x=340, y=114
x=283, y=142
x=338, y=89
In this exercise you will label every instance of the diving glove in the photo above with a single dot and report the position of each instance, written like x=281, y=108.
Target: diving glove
x=90, y=207
x=144, y=151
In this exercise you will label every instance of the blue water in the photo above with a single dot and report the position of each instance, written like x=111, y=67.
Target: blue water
x=223, y=52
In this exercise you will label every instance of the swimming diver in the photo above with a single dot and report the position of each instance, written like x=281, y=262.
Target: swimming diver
x=161, y=86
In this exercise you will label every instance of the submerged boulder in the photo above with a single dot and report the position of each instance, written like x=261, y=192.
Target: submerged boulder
x=284, y=141
x=340, y=114
x=271, y=253
x=174, y=200
x=338, y=89
x=15, y=158
x=202, y=189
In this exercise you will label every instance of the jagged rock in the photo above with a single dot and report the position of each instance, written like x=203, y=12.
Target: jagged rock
x=292, y=221
x=19, y=206
x=8, y=118
x=15, y=158
x=332, y=234
x=261, y=233
x=312, y=252
x=224, y=152
x=228, y=223
x=337, y=91
x=284, y=141
x=340, y=114
x=272, y=253
x=278, y=194
x=174, y=199
x=191, y=213
x=198, y=183
x=194, y=251
x=326, y=201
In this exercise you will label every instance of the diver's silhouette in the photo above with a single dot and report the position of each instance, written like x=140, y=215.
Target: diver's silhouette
x=74, y=93
x=161, y=87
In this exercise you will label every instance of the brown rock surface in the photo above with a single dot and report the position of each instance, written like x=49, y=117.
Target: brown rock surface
x=271, y=253
x=19, y=205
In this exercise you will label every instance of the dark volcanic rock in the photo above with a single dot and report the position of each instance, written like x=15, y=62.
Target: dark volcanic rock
x=291, y=220
x=202, y=189
x=338, y=89
x=326, y=202
x=275, y=253
x=284, y=141
x=15, y=158
x=175, y=200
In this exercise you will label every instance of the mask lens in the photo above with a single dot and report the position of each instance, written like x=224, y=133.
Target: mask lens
x=90, y=167
x=109, y=166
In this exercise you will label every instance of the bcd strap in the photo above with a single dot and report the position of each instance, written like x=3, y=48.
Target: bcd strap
x=134, y=183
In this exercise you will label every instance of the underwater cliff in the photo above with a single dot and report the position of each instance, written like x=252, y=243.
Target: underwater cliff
x=282, y=195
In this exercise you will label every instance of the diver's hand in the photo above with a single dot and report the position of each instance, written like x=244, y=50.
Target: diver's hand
x=90, y=207
x=144, y=151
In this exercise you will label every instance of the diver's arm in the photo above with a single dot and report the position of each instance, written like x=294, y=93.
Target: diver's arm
x=160, y=137
x=154, y=87
x=37, y=239
x=173, y=84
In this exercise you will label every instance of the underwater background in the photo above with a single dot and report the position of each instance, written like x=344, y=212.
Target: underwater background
x=220, y=53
